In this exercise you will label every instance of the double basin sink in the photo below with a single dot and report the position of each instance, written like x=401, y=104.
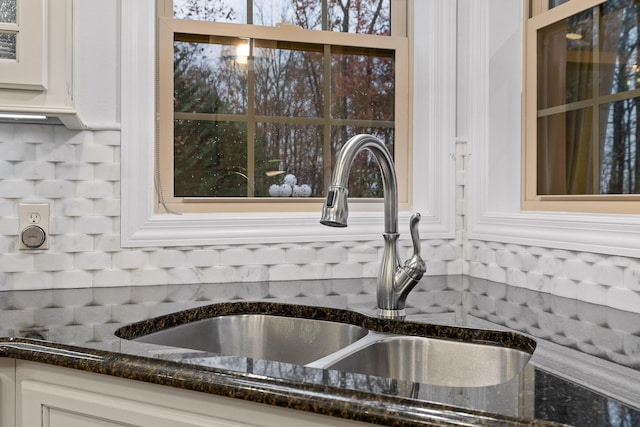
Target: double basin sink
x=344, y=341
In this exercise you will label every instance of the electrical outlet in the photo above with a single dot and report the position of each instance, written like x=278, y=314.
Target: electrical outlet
x=33, y=226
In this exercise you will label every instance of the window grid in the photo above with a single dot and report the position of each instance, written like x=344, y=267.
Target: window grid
x=327, y=121
x=542, y=13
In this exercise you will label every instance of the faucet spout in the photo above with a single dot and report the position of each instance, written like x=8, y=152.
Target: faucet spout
x=394, y=281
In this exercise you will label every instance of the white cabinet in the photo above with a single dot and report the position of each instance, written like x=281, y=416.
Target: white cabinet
x=23, y=47
x=49, y=396
x=38, y=77
x=7, y=392
x=53, y=405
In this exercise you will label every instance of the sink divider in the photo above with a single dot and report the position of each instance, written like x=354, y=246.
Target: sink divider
x=328, y=360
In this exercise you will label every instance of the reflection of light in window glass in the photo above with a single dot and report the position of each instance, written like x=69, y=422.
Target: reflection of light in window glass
x=207, y=75
x=8, y=11
x=7, y=46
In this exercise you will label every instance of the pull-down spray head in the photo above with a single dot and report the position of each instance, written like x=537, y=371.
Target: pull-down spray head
x=336, y=209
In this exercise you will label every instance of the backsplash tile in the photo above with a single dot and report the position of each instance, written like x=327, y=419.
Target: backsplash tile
x=592, y=278
x=89, y=316
x=78, y=172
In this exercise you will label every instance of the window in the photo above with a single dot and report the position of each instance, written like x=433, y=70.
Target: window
x=582, y=106
x=23, y=42
x=256, y=98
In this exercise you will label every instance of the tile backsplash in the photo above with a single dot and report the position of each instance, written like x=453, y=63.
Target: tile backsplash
x=78, y=174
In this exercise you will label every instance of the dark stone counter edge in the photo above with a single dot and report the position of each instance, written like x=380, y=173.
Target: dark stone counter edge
x=488, y=337
x=360, y=406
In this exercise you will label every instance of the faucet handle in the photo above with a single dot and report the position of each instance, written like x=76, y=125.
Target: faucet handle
x=413, y=229
x=415, y=266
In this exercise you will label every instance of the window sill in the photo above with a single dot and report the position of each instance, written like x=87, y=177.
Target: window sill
x=206, y=229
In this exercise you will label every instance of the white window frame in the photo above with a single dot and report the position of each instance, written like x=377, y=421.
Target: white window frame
x=434, y=139
x=169, y=26
x=594, y=203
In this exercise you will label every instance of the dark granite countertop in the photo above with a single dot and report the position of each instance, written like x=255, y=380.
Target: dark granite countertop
x=582, y=372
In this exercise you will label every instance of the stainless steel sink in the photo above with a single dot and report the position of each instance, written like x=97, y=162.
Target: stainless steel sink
x=258, y=336
x=341, y=340
x=433, y=361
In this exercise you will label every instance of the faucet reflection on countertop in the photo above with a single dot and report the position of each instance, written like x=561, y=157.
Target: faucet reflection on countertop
x=395, y=280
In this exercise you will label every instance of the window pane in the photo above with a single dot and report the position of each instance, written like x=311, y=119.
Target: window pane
x=7, y=46
x=619, y=62
x=210, y=159
x=289, y=79
x=362, y=84
x=214, y=11
x=366, y=16
x=579, y=152
x=556, y=3
x=306, y=14
x=8, y=11
x=619, y=138
x=566, y=153
x=208, y=75
x=365, y=178
x=286, y=150
x=565, y=61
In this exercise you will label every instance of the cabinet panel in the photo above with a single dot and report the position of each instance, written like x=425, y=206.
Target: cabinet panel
x=54, y=417
x=51, y=396
x=51, y=405
x=7, y=392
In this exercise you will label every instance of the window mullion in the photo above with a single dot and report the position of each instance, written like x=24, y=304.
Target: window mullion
x=251, y=122
x=326, y=152
x=325, y=15
x=595, y=112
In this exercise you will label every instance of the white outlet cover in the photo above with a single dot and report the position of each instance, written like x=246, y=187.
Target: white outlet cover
x=27, y=215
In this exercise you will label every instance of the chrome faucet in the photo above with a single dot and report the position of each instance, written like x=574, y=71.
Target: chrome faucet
x=395, y=281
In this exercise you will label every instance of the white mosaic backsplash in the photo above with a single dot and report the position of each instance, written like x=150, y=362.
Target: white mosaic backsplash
x=594, y=278
x=78, y=173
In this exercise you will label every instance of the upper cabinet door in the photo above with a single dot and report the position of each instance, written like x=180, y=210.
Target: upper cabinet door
x=23, y=43
x=37, y=59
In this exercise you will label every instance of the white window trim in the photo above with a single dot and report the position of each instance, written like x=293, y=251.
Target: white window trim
x=503, y=221
x=433, y=142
